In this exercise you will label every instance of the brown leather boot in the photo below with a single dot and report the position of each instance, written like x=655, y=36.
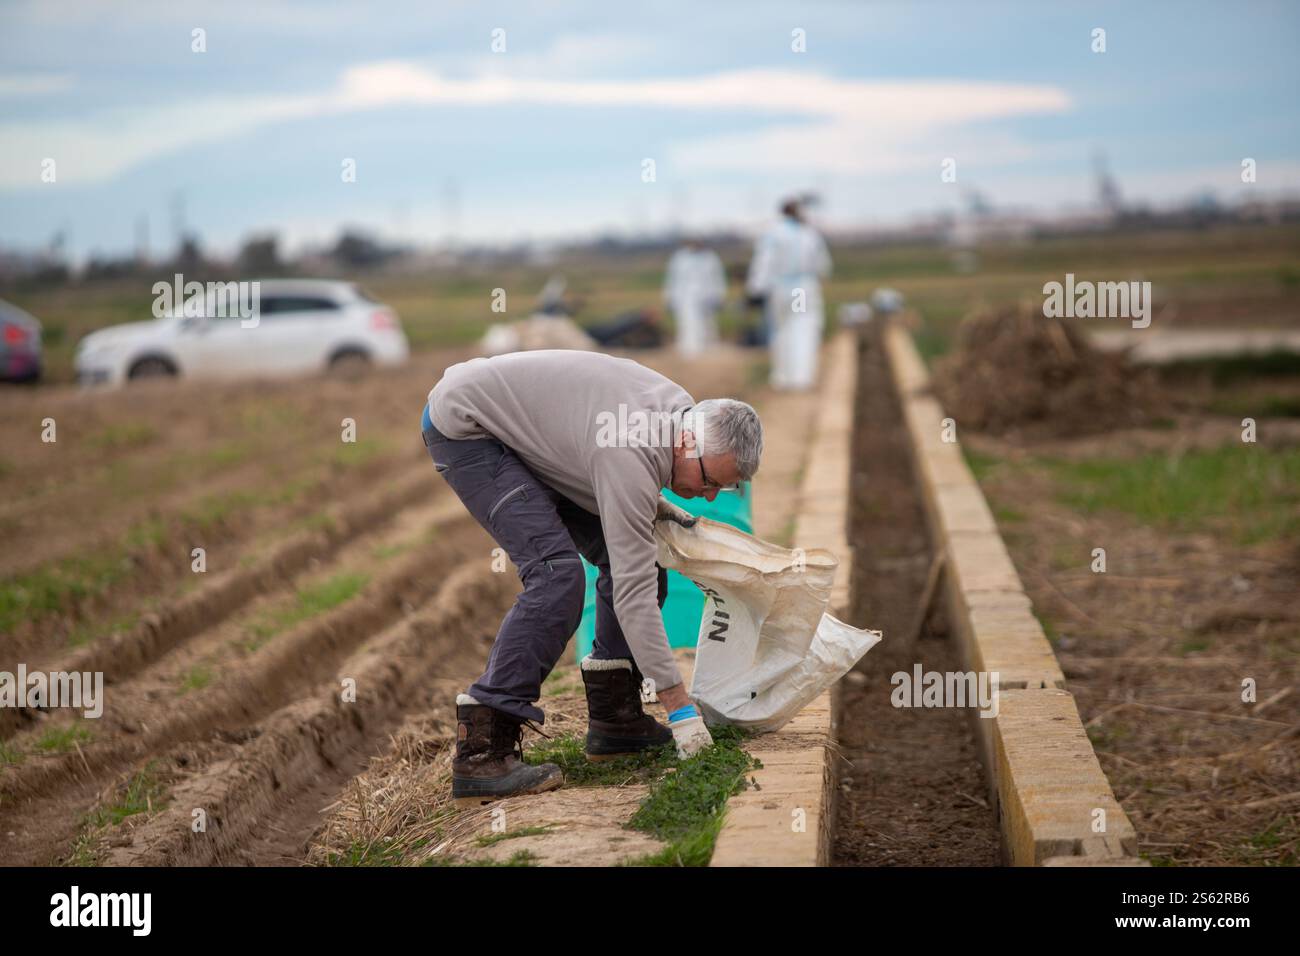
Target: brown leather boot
x=616, y=723
x=489, y=757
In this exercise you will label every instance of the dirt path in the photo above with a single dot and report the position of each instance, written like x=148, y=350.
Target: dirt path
x=787, y=424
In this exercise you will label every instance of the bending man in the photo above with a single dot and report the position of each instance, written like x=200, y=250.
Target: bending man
x=559, y=454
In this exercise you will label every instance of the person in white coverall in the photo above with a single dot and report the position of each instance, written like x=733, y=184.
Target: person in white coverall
x=789, y=261
x=694, y=289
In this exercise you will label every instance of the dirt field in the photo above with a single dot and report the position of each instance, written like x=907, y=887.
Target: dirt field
x=1163, y=562
x=1156, y=650
x=335, y=565
x=330, y=567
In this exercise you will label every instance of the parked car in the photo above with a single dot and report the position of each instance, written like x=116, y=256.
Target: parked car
x=20, y=345
x=303, y=325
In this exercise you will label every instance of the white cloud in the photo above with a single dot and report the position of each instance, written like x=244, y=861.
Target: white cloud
x=849, y=125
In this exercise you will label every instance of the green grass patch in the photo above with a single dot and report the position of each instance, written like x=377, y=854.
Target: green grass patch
x=560, y=689
x=124, y=435
x=230, y=453
x=685, y=808
x=1226, y=369
x=687, y=798
x=143, y=793
x=84, y=633
x=383, y=552
x=568, y=753
x=10, y=755
x=262, y=417
x=357, y=453
x=1007, y=515
x=980, y=464
x=215, y=510
x=521, y=858
x=1282, y=647
x=62, y=739
x=56, y=586
x=61, y=585
x=374, y=854
x=196, y=678
x=308, y=602
x=514, y=834
x=148, y=535
x=319, y=521
x=562, y=681
x=1109, y=735
x=1252, y=406
x=930, y=343
x=1249, y=490
x=692, y=849
x=1279, y=833
x=1066, y=555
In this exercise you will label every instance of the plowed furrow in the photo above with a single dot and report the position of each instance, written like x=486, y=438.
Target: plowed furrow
x=123, y=655
x=149, y=722
x=322, y=738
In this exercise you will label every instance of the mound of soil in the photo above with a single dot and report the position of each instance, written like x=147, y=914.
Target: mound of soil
x=1016, y=369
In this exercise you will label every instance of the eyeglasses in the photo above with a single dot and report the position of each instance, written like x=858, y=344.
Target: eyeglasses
x=710, y=483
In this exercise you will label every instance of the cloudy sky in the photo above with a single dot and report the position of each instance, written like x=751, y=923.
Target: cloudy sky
x=549, y=137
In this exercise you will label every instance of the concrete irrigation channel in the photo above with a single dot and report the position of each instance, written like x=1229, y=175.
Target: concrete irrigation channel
x=856, y=780
x=240, y=729
x=1035, y=794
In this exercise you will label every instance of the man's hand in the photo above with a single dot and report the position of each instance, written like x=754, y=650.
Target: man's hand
x=689, y=733
x=667, y=511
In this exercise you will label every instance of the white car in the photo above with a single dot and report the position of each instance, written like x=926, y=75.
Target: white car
x=302, y=325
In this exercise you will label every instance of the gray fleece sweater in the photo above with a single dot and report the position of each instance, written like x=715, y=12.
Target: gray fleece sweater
x=598, y=429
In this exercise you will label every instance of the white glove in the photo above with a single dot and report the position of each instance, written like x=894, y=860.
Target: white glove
x=667, y=511
x=690, y=735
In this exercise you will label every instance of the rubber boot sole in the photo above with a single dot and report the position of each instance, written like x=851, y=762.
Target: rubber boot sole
x=552, y=782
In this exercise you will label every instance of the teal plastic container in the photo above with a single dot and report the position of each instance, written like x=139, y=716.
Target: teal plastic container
x=685, y=602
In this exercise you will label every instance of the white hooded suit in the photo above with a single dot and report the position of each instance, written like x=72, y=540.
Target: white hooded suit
x=789, y=261
x=694, y=289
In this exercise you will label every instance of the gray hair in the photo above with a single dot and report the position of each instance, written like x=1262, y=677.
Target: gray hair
x=728, y=426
